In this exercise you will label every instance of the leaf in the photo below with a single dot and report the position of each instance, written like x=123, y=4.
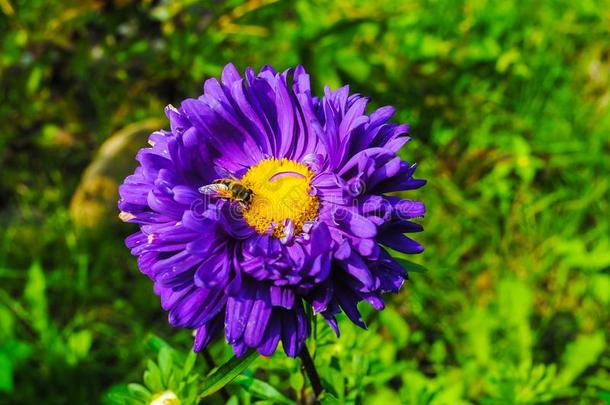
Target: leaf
x=515, y=301
x=226, y=373
x=138, y=391
x=329, y=399
x=165, y=364
x=5, y=6
x=119, y=395
x=296, y=381
x=233, y=401
x=409, y=266
x=34, y=79
x=35, y=296
x=605, y=396
x=16, y=350
x=396, y=325
x=580, y=355
x=333, y=379
x=189, y=363
x=262, y=390
x=79, y=344
x=156, y=344
x=11, y=352
x=6, y=373
x=7, y=322
x=152, y=377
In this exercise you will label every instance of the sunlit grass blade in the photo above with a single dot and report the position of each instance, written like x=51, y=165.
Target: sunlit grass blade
x=262, y=389
x=226, y=373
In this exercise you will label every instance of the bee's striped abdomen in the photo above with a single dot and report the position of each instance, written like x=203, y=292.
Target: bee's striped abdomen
x=235, y=190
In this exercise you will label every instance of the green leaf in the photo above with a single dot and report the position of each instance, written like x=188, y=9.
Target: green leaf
x=165, y=364
x=79, y=344
x=10, y=353
x=34, y=79
x=605, y=396
x=580, y=355
x=35, y=295
x=333, y=379
x=7, y=322
x=16, y=350
x=296, y=381
x=189, y=363
x=6, y=373
x=262, y=390
x=329, y=399
x=233, y=401
x=396, y=325
x=152, y=377
x=5, y=6
x=409, y=266
x=155, y=343
x=226, y=373
x=138, y=391
x=120, y=395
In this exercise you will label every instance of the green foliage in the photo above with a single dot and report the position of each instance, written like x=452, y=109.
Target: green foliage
x=509, y=109
x=262, y=390
x=226, y=373
x=166, y=382
x=173, y=379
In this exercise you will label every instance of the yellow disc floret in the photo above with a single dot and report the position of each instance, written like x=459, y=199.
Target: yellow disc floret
x=280, y=190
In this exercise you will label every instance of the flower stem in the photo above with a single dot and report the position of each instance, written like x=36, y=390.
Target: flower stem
x=310, y=369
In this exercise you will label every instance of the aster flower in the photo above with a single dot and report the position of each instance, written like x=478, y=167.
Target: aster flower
x=302, y=218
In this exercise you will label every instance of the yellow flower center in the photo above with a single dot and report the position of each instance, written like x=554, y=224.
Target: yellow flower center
x=280, y=191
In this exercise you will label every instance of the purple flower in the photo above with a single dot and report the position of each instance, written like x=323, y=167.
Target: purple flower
x=302, y=217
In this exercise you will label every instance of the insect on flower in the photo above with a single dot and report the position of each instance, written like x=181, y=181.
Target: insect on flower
x=315, y=180
x=228, y=188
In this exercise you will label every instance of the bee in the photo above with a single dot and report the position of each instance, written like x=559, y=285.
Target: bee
x=230, y=189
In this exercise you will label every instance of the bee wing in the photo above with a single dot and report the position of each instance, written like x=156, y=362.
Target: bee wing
x=214, y=189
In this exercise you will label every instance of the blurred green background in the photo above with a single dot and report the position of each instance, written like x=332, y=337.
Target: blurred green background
x=509, y=110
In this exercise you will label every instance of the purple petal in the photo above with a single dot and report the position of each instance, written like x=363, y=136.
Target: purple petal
x=354, y=223
x=400, y=243
x=282, y=297
x=259, y=316
x=272, y=336
x=206, y=333
x=357, y=268
x=349, y=304
x=238, y=313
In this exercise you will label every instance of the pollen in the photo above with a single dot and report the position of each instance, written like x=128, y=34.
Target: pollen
x=281, y=192
x=126, y=216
